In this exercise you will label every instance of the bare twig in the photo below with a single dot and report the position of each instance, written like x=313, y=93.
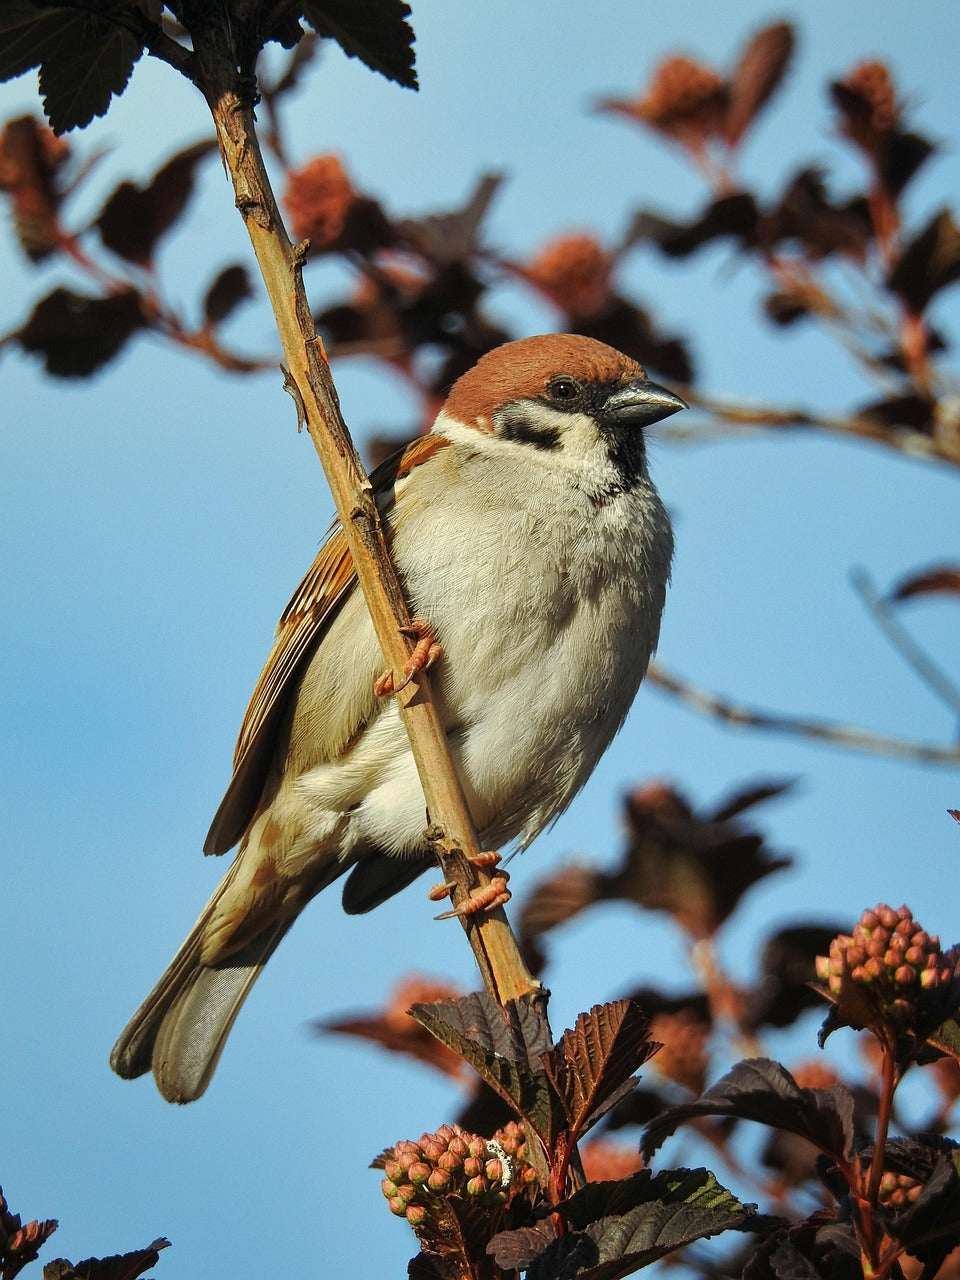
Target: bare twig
x=913, y=443
x=917, y=658
x=847, y=737
x=494, y=945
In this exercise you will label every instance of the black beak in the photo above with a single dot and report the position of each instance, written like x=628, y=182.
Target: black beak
x=640, y=403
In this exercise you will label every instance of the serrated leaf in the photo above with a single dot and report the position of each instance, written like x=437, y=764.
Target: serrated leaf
x=75, y=334
x=593, y=1061
x=504, y=1053
x=123, y=1266
x=761, y=1090
x=758, y=72
x=134, y=218
x=375, y=31
x=83, y=59
x=634, y=1222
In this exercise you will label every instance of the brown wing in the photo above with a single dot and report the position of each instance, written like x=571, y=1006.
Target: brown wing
x=316, y=602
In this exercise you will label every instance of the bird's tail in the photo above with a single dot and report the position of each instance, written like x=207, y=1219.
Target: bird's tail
x=180, y=1029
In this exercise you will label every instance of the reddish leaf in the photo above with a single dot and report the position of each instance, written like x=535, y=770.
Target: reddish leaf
x=230, y=288
x=928, y=264
x=20, y=1244
x=83, y=59
x=375, y=31
x=30, y=157
x=686, y=101
x=757, y=74
x=393, y=1027
x=75, y=334
x=941, y=580
x=593, y=1062
x=134, y=218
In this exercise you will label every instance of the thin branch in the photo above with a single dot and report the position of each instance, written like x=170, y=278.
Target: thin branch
x=308, y=378
x=846, y=737
x=913, y=443
x=912, y=653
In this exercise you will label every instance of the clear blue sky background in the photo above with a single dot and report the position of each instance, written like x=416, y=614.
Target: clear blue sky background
x=156, y=519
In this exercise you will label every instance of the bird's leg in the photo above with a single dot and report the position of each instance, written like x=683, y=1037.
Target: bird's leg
x=492, y=895
x=425, y=653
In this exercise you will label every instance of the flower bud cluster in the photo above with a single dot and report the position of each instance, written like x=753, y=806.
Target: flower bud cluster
x=512, y=1141
x=898, y=1190
x=889, y=971
x=448, y=1162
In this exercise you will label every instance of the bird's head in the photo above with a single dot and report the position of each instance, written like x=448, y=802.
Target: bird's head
x=564, y=395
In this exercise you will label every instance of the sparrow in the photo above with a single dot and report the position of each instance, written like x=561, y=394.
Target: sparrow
x=526, y=531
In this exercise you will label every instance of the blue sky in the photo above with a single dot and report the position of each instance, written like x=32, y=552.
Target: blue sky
x=157, y=518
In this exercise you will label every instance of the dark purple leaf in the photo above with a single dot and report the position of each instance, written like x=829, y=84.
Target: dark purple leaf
x=928, y=264
x=943, y=579
x=630, y=329
x=764, y=1091
x=75, y=334
x=785, y=307
x=83, y=59
x=516, y=1250
x=504, y=1048
x=594, y=1060
x=230, y=288
x=125, y=1266
x=787, y=968
x=639, y=1219
x=806, y=214
x=913, y=410
x=375, y=31
x=446, y=238
x=134, y=218
x=929, y=1228
x=901, y=157
x=735, y=215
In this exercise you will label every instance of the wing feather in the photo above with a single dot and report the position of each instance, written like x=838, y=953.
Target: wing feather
x=327, y=584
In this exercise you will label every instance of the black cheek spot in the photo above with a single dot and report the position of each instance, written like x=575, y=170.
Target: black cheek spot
x=516, y=425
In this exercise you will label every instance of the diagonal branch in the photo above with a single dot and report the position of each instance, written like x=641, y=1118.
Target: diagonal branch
x=307, y=377
x=848, y=737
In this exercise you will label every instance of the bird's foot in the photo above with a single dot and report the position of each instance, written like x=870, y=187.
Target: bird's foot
x=425, y=653
x=487, y=898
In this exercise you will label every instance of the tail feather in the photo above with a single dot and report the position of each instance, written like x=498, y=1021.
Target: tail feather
x=194, y=1029
x=180, y=1029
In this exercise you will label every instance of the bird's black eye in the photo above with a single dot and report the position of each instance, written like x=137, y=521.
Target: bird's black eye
x=563, y=390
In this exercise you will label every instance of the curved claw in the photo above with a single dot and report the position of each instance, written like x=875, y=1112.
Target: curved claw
x=425, y=653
